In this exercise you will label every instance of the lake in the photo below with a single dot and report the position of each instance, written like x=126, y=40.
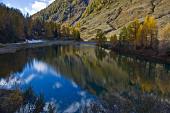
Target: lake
x=75, y=77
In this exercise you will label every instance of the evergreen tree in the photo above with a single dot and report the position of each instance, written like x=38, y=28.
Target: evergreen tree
x=113, y=39
x=124, y=35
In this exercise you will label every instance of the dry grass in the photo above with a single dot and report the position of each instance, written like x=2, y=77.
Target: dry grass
x=165, y=32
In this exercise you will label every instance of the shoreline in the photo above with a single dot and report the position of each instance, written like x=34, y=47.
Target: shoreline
x=148, y=55
x=13, y=47
x=142, y=54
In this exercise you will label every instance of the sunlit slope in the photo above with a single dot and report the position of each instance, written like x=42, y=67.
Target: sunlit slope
x=108, y=15
x=118, y=13
x=63, y=11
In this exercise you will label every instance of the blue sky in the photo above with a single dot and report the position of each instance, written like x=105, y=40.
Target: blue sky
x=30, y=6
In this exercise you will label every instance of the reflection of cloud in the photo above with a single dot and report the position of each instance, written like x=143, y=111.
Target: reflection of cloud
x=53, y=72
x=32, y=70
x=33, y=41
x=10, y=83
x=74, y=84
x=57, y=85
x=29, y=78
x=3, y=82
x=72, y=108
x=107, y=51
x=82, y=93
x=40, y=66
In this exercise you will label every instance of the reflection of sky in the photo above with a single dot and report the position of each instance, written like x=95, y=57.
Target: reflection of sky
x=44, y=79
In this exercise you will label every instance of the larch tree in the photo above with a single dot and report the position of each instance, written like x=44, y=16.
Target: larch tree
x=133, y=30
x=151, y=29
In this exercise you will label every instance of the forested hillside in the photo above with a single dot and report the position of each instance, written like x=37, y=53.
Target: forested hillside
x=11, y=24
x=108, y=15
x=65, y=18
x=15, y=27
x=63, y=10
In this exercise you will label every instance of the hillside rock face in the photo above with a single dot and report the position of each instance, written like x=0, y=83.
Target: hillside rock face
x=108, y=15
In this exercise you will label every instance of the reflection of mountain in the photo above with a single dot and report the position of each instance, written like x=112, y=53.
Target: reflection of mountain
x=97, y=71
x=82, y=65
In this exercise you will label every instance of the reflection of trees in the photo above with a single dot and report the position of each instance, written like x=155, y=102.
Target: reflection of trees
x=14, y=62
x=99, y=72
x=82, y=65
x=148, y=84
x=151, y=77
x=11, y=63
x=100, y=53
x=96, y=71
x=21, y=102
x=10, y=100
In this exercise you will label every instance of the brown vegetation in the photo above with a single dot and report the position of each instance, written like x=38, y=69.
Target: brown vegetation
x=165, y=32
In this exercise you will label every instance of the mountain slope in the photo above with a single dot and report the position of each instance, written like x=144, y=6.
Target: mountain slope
x=112, y=17
x=63, y=10
x=108, y=15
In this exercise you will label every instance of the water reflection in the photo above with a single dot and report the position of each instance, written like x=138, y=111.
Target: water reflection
x=44, y=79
x=73, y=75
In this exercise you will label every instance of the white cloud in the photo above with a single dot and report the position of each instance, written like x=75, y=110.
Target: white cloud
x=51, y=1
x=37, y=6
x=9, y=5
x=47, y=1
x=30, y=11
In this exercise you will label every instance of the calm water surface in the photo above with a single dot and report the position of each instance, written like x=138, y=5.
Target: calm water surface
x=73, y=76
